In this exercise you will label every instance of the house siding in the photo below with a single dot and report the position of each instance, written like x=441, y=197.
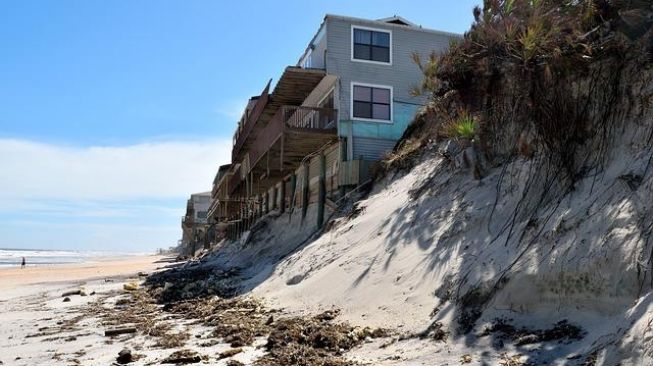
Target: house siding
x=366, y=148
x=402, y=74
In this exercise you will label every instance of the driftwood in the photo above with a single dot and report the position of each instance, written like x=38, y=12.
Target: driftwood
x=117, y=331
x=71, y=293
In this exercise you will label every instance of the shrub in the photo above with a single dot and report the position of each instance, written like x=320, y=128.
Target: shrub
x=463, y=127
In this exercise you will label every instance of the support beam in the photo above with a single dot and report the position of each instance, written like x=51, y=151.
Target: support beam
x=293, y=190
x=305, y=191
x=282, y=208
x=321, y=192
x=274, y=197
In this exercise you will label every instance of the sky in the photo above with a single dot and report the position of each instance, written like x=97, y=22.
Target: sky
x=113, y=112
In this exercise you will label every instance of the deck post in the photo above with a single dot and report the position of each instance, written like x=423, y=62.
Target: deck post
x=267, y=201
x=274, y=197
x=321, y=192
x=305, y=191
x=293, y=190
x=282, y=207
x=239, y=223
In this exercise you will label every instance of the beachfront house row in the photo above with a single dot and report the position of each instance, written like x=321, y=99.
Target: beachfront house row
x=313, y=136
x=194, y=224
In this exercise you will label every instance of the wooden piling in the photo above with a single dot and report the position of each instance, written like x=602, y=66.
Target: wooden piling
x=321, y=192
x=305, y=191
x=282, y=207
x=293, y=190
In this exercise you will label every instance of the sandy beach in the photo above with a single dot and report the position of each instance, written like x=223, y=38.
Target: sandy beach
x=16, y=278
x=40, y=328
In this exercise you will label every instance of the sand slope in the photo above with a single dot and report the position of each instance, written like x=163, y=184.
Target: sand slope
x=435, y=245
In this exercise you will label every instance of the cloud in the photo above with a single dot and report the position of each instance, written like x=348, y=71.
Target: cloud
x=33, y=170
x=232, y=108
x=101, y=197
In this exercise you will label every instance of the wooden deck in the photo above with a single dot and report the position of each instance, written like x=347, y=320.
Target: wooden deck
x=292, y=88
x=291, y=135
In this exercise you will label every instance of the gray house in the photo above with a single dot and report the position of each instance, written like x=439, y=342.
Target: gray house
x=342, y=106
x=372, y=73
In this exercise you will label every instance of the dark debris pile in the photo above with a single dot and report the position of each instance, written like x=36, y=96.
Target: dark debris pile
x=191, y=283
x=562, y=331
x=314, y=341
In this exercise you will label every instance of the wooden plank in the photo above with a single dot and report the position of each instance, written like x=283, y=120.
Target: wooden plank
x=322, y=191
x=306, y=192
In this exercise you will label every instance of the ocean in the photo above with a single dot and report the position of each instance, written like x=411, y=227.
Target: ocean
x=37, y=257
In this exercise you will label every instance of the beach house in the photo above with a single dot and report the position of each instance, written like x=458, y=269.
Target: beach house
x=314, y=135
x=194, y=224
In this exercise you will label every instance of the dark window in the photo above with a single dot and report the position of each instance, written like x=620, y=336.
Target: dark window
x=371, y=45
x=371, y=103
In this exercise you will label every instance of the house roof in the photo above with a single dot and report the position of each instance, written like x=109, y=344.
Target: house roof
x=393, y=21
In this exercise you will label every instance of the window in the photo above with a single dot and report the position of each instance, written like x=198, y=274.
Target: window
x=201, y=214
x=371, y=102
x=371, y=45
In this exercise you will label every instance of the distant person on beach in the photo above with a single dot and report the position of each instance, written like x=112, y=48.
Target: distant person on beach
x=22, y=265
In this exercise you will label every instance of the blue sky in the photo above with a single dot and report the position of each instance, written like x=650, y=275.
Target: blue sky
x=112, y=112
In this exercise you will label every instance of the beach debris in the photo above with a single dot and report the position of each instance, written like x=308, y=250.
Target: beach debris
x=184, y=356
x=66, y=299
x=118, y=331
x=434, y=331
x=173, y=340
x=71, y=293
x=142, y=274
x=131, y=286
x=193, y=283
x=230, y=352
x=234, y=363
x=314, y=340
x=514, y=360
x=124, y=357
x=562, y=330
x=466, y=358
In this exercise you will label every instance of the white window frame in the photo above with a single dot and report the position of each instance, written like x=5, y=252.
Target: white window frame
x=351, y=102
x=351, y=44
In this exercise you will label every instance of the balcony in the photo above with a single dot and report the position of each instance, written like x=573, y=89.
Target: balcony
x=292, y=133
x=187, y=220
x=292, y=88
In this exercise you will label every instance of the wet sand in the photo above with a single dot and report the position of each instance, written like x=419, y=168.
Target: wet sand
x=39, y=328
x=16, y=277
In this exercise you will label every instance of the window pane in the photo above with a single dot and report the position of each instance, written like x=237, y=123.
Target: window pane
x=362, y=110
x=362, y=36
x=362, y=52
x=362, y=93
x=381, y=111
x=381, y=95
x=380, y=54
x=381, y=39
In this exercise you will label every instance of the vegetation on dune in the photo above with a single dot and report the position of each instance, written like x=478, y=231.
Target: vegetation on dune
x=536, y=75
x=464, y=126
x=558, y=83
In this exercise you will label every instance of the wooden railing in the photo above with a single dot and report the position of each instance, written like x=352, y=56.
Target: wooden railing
x=243, y=131
x=287, y=117
x=309, y=117
x=233, y=181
